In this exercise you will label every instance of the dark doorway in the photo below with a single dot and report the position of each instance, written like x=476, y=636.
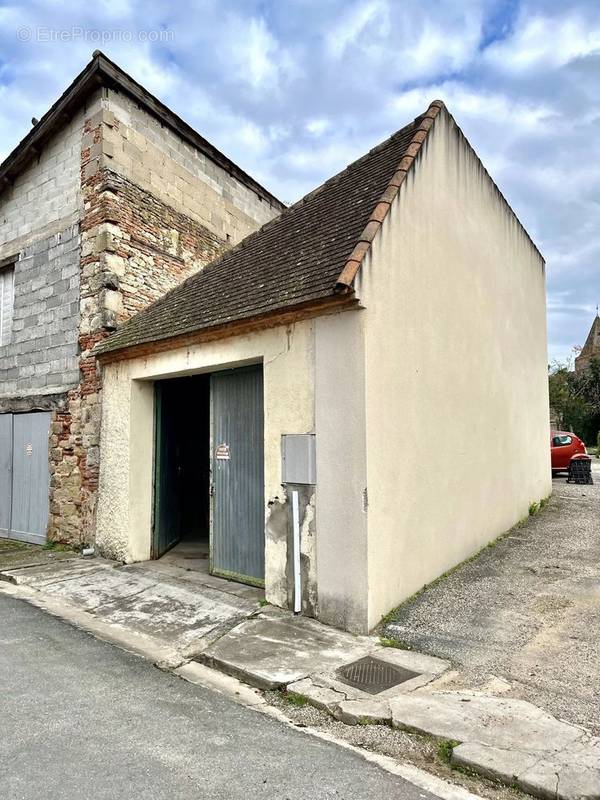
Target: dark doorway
x=182, y=467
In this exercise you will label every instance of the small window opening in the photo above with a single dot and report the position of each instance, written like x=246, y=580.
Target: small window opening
x=7, y=300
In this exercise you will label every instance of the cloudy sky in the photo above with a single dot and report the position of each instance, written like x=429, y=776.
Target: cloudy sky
x=293, y=90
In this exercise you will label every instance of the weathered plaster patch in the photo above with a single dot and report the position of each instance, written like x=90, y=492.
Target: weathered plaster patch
x=308, y=557
x=279, y=566
x=276, y=550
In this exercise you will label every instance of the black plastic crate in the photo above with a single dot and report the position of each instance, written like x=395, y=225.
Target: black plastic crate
x=580, y=470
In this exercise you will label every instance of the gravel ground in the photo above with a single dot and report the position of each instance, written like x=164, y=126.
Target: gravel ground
x=404, y=747
x=522, y=619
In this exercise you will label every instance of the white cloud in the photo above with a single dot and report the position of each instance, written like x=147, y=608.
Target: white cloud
x=317, y=127
x=407, y=41
x=516, y=116
x=294, y=91
x=545, y=43
x=159, y=78
x=256, y=55
x=353, y=24
x=326, y=159
x=438, y=48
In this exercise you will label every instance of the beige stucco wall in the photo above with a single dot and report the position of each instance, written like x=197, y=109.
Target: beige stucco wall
x=155, y=158
x=341, y=513
x=456, y=384
x=124, y=516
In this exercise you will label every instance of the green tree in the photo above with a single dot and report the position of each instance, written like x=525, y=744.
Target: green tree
x=575, y=398
x=560, y=390
x=586, y=390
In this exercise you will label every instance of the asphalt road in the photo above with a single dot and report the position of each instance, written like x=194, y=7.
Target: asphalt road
x=82, y=720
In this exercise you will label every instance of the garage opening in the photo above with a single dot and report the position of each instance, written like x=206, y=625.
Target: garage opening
x=182, y=470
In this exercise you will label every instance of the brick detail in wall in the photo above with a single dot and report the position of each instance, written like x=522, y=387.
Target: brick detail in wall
x=134, y=248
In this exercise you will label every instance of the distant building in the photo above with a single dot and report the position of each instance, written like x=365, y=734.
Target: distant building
x=591, y=348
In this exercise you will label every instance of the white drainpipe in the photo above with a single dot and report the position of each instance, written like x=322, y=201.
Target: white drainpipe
x=297, y=577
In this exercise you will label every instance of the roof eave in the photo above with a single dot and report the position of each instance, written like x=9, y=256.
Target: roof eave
x=282, y=316
x=60, y=112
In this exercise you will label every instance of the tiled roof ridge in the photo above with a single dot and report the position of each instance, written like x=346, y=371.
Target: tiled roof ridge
x=329, y=182
x=339, y=175
x=362, y=247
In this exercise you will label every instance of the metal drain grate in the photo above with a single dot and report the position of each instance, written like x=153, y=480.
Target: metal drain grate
x=372, y=675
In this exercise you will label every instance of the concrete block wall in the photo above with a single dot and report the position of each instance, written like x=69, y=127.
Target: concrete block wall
x=39, y=228
x=42, y=356
x=139, y=147
x=44, y=198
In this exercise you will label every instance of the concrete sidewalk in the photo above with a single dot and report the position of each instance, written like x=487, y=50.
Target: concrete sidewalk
x=182, y=609
x=189, y=620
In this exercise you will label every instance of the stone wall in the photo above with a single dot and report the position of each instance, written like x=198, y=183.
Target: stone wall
x=134, y=248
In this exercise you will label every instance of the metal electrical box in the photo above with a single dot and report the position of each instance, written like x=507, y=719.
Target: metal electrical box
x=298, y=457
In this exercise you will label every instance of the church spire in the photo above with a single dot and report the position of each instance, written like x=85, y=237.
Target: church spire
x=591, y=348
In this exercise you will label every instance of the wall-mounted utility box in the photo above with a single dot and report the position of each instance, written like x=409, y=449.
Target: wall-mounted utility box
x=298, y=458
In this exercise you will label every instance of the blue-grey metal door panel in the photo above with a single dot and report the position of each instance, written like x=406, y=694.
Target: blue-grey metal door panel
x=30, y=482
x=5, y=472
x=238, y=505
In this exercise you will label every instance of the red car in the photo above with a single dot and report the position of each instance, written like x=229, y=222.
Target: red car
x=563, y=446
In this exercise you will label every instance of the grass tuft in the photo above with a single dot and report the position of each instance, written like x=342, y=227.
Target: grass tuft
x=60, y=548
x=399, y=644
x=295, y=699
x=445, y=748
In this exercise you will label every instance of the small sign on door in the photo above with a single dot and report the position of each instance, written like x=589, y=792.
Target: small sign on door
x=29, y=449
x=222, y=453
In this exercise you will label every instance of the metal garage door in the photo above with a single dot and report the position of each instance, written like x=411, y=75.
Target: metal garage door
x=238, y=505
x=24, y=476
x=5, y=472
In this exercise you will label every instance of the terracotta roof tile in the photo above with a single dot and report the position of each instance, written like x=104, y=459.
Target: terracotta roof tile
x=307, y=254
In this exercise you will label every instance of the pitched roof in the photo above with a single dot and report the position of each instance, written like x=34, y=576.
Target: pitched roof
x=592, y=343
x=307, y=255
x=101, y=71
